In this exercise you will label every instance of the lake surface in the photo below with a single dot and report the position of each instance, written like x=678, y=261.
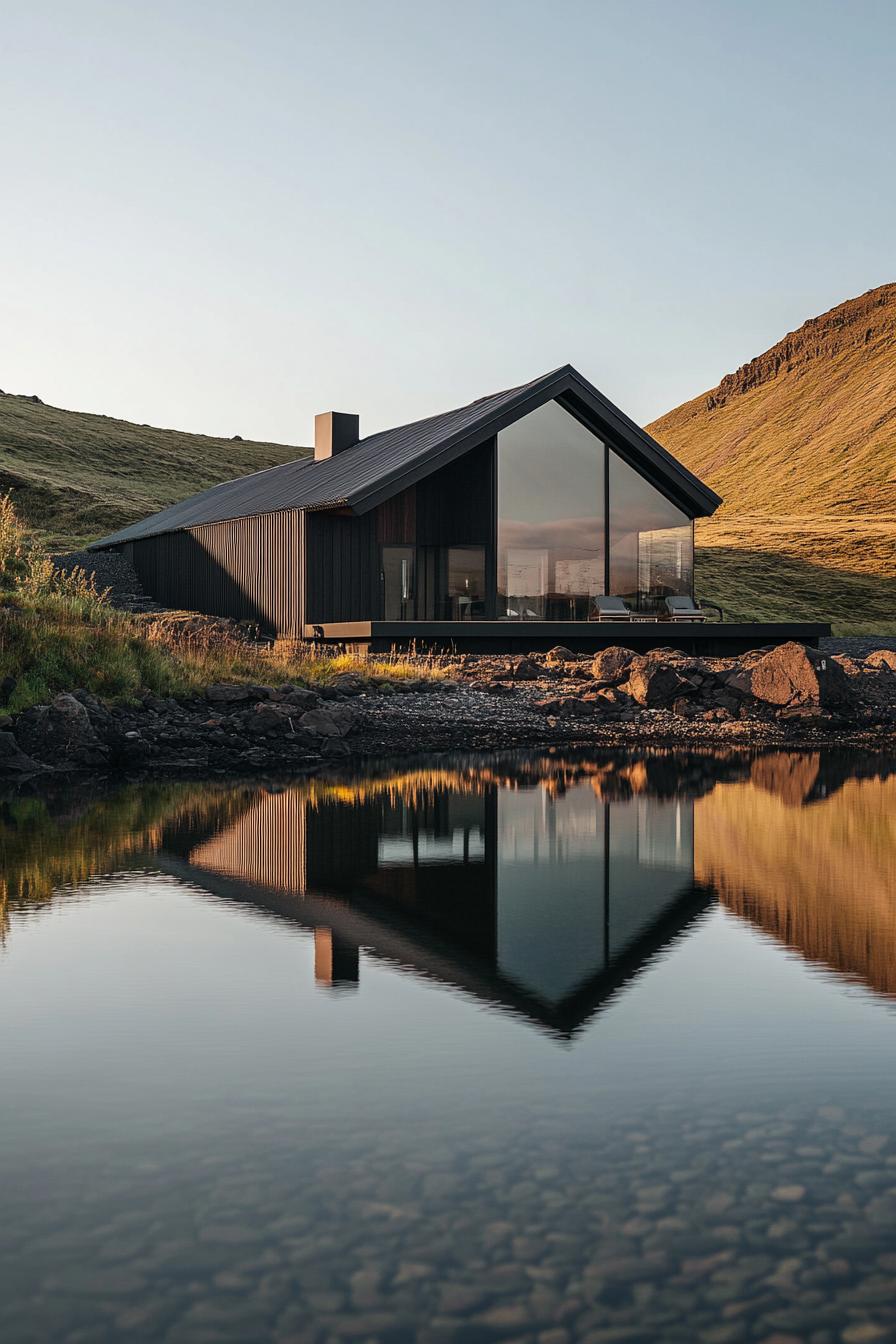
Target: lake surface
x=552, y=1048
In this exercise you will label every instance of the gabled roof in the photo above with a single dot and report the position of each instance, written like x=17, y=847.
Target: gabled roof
x=381, y=465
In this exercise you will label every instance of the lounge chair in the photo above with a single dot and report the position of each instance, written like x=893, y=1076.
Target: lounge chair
x=684, y=609
x=611, y=609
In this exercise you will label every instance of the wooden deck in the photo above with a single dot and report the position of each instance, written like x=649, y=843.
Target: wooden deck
x=717, y=640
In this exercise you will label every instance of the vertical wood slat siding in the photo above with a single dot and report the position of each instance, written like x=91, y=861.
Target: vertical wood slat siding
x=456, y=506
x=341, y=567
x=396, y=519
x=247, y=569
x=288, y=568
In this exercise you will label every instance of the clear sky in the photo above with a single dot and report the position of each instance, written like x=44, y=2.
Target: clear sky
x=226, y=216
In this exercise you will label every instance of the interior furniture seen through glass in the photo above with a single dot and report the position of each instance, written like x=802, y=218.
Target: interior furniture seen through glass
x=651, y=542
x=550, y=518
x=426, y=583
x=465, y=583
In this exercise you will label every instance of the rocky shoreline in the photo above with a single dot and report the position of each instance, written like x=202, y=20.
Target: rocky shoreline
x=785, y=696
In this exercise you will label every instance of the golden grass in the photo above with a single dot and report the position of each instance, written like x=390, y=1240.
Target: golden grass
x=59, y=633
x=818, y=877
x=817, y=435
x=77, y=476
x=837, y=568
x=801, y=445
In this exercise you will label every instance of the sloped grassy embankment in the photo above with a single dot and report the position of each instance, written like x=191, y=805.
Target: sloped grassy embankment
x=75, y=476
x=59, y=633
x=801, y=444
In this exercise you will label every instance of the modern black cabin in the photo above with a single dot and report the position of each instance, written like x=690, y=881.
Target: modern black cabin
x=495, y=526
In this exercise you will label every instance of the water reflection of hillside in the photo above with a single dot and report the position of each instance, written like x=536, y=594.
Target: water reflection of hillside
x=813, y=866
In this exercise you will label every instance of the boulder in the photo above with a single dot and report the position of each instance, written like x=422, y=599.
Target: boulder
x=655, y=685
x=884, y=658
x=60, y=734
x=349, y=683
x=575, y=707
x=13, y=761
x=523, y=669
x=558, y=655
x=269, y=720
x=611, y=666
x=226, y=693
x=792, y=676
x=334, y=721
x=295, y=698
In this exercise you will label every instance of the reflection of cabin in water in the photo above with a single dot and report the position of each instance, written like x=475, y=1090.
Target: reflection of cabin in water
x=538, y=904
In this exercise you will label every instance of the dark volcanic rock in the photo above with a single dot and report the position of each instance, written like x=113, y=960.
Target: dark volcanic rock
x=793, y=677
x=60, y=734
x=334, y=721
x=225, y=693
x=611, y=666
x=269, y=719
x=559, y=655
x=882, y=658
x=523, y=669
x=295, y=697
x=655, y=685
x=13, y=761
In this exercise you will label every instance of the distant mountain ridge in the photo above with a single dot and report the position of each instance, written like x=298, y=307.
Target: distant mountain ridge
x=809, y=425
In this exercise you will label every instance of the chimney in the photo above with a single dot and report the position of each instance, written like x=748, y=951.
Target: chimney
x=333, y=431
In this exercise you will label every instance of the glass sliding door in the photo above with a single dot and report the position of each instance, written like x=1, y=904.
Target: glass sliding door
x=399, y=583
x=550, y=518
x=433, y=583
x=464, y=583
x=651, y=542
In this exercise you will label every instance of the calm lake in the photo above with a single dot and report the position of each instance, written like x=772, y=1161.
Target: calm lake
x=547, y=1048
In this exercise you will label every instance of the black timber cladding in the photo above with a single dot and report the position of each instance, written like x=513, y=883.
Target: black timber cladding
x=342, y=566
x=246, y=569
x=385, y=463
x=453, y=507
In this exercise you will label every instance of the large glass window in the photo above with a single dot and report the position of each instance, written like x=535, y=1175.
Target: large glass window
x=550, y=518
x=651, y=542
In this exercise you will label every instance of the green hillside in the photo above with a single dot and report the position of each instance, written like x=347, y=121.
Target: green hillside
x=801, y=445
x=75, y=476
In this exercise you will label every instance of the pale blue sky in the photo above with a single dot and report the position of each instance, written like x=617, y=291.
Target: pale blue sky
x=227, y=216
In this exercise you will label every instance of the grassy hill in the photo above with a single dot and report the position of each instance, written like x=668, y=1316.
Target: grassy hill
x=801, y=444
x=76, y=476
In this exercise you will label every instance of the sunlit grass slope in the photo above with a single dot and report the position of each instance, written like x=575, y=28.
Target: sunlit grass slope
x=801, y=445
x=75, y=477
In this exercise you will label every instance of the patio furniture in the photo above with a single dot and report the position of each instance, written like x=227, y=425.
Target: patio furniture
x=684, y=609
x=611, y=609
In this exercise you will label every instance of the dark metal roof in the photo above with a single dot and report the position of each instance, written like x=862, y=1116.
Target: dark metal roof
x=381, y=465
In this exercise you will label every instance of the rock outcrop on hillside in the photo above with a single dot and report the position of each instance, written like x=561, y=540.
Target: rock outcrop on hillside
x=850, y=326
x=807, y=427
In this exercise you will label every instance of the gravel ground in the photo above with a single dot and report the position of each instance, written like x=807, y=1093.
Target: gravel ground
x=857, y=646
x=484, y=720
x=110, y=570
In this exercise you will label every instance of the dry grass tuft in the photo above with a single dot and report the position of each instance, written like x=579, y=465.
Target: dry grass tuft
x=58, y=632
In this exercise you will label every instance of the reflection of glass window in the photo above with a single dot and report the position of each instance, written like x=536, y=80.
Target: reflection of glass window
x=465, y=595
x=550, y=517
x=651, y=541
x=399, y=579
